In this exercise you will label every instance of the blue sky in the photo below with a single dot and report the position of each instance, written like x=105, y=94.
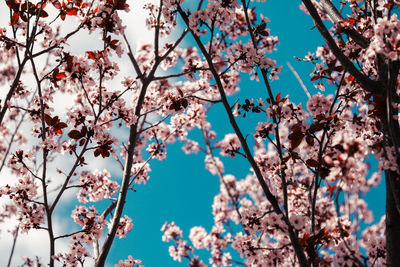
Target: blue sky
x=180, y=189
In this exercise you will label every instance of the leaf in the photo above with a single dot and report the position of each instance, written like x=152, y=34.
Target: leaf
x=56, y=4
x=295, y=138
x=278, y=97
x=315, y=78
x=184, y=103
x=84, y=131
x=310, y=140
x=43, y=14
x=296, y=142
x=315, y=127
x=14, y=18
x=75, y=134
x=113, y=44
x=262, y=26
x=54, y=121
x=119, y=4
x=48, y=119
x=312, y=163
x=61, y=125
x=61, y=75
x=92, y=55
x=350, y=78
x=82, y=141
x=71, y=12
x=331, y=189
x=20, y=154
x=339, y=68
x=179, y=91
x=324, y=172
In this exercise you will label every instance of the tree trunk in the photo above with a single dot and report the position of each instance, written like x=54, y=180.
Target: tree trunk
x=392, y=221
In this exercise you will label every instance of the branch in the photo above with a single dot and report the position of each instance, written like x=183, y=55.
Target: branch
x=44, y=168
x=13, y=246
x=271, y=198
x=221, y=178
x=371, y=86
x=133, y=134
x=264, y=73
x=336, y=17
x=12, y=89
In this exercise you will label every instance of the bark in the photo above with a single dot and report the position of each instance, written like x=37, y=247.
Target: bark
x=389, y=72
x=392, y=224
x=335, y=17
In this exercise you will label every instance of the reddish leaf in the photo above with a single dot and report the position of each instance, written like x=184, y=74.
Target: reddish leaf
x=304, y=240
x=310, y=140
x=94, y=55
x=296, y=142
x=119, y=4
x=48, y=119
x=278, y=97
x=91, y=55
x=82, y=161
x=75, y=134
x=113, y=44
x=84, y=131
x=179, y=91
x=350, y=78
x=295, y=139
x=315, y=127
x=20, y=154
x=61, y=75
x=54, y=121
x=262, y=26
x=82, y=141
x=14, y=18
x=71, y=12
x=324, y=172
x=70, y=62
x=315, y=78
x=331, y=189
x=312, y=163
x=43, y=14
x=13, y=4
x=61, y=125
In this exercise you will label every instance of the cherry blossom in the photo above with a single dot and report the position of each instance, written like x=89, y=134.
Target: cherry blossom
x=302, y=199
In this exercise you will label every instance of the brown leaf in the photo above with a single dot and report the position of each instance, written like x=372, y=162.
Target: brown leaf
x=310, y=140
x=312, y=163
x=315, y=127
x=48, y=119
x=295, y=139
x=75, y=134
